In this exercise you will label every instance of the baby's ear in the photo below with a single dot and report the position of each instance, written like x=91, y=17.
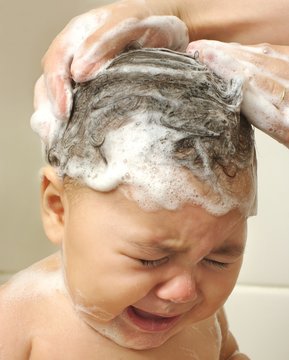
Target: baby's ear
x=52, y=207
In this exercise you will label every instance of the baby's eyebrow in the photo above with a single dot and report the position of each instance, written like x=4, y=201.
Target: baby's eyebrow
x=229, y=249
x=226, y=249
x=153, y=247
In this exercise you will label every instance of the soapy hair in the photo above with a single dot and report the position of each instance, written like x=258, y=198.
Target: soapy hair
x=189, y=116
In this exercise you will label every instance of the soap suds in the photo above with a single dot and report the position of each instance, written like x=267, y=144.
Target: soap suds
x=32, y=283
x=162, y=123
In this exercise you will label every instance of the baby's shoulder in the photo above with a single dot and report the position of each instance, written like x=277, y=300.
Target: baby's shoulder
x=22, y=301
x=32, y=284
x=14, y=340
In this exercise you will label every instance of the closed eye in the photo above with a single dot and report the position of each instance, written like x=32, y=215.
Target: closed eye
x=154, y=263
x=217, y=264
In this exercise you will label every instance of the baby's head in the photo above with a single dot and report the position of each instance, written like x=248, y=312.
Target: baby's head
x=150, y=120
x=151, y=183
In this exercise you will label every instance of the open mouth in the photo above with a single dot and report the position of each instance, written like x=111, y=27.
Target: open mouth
x=151, y=322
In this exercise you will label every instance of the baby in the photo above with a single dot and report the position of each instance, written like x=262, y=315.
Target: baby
x=147, y=192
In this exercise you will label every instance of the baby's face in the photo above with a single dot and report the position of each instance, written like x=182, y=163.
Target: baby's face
x=140, y=277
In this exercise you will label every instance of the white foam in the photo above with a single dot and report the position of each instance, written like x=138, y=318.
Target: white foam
x=32, y=283
x=141, y=155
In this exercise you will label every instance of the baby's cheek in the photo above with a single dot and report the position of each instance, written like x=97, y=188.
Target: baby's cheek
x=102, y=294
x=217, y=290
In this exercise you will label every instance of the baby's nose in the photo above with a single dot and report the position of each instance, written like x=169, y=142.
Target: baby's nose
x=179, y=289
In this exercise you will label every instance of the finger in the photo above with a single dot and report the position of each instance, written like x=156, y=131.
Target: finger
x=265, y=96
x=101, y=46
x=57, y=81
x=155, y=31
x=278, y=51
x=57, y=60
x=70, y=39
x=199, y=45
x=269, y=74
x=40, y=93
x=263, y=58
x=265, y=48
x=59, y=91
x=272, y=89
x=43, y=121
x=259, y=110
x=165, y=31
x=56, y=67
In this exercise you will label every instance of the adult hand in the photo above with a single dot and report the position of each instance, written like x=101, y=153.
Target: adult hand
x=91, y=39
x=265, y=72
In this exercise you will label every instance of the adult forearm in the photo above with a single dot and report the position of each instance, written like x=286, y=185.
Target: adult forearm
x=243, y=21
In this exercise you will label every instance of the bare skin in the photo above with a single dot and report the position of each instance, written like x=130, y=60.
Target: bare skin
x=67, y=336
x=180, y=264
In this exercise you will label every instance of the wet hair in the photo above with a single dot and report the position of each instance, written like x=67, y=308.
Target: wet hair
x=196, y=113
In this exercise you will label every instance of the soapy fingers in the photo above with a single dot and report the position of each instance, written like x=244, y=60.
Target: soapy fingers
x=43, y=120
x=154, y=31
x=57, y=61
x=91, y=39
x=264, y=69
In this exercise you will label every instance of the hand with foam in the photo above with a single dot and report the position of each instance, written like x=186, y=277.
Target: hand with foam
x=264, y=69
x=91, y=39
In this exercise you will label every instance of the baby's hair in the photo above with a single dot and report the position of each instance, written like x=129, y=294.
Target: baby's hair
x=157, y=88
